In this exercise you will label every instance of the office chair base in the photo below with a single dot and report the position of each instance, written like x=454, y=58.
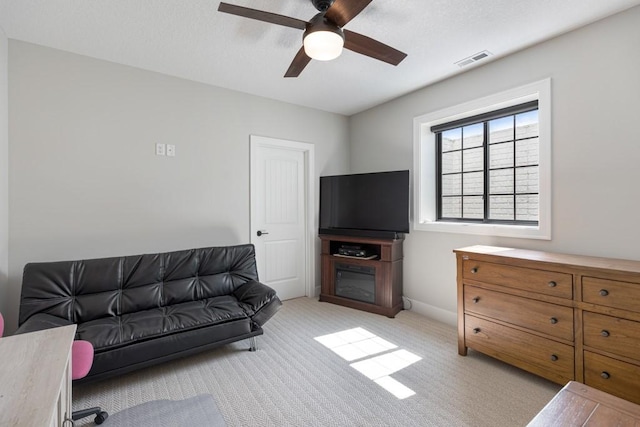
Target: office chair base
x=101, y=415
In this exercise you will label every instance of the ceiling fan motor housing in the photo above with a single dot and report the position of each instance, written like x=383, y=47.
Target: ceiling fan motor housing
x=321, y=23
x=322, y=5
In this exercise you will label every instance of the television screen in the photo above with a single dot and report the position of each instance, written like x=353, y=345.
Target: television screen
x=369, y=203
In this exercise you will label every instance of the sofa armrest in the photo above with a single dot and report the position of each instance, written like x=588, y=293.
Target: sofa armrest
x=258, y=300
x=41, y=321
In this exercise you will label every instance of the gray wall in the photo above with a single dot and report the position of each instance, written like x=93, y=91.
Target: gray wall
x=84, y=180
x=595, y=150
x=4, y=173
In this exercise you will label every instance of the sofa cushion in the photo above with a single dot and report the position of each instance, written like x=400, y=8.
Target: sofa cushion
x=139, y=354
x=116, y=331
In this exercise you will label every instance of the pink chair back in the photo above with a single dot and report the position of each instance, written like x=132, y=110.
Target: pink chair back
x=1, y=325
x=81, y=359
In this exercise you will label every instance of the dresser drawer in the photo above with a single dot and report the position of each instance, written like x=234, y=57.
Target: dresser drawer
x=613, y=376
x=528, y=279
x=612, y=334
x=544, y=357
x=611, y=293
x=551, y=319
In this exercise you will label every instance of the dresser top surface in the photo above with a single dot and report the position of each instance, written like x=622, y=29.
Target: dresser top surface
x=580, y=405
x=581, y=261
x=32, y=368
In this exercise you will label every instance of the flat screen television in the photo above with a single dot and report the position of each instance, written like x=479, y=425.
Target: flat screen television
x=368, y=204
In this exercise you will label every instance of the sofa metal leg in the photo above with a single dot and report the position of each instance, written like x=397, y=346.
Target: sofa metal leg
x=252, y=344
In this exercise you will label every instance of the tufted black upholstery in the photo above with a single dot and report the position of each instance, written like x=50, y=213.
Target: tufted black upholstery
x=144, y=309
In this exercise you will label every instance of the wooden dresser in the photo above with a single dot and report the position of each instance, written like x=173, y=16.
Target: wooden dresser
x=563, y=317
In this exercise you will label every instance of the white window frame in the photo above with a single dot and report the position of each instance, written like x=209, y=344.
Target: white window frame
x=424, y=157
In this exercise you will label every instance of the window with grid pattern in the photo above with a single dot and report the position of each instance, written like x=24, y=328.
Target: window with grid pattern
x=488, y=167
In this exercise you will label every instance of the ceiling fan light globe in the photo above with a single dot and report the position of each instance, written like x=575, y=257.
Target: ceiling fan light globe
x=323, y=45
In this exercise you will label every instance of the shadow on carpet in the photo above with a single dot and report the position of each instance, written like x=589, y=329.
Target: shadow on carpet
x=196, y=411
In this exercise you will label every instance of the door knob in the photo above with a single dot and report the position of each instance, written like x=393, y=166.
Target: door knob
x=260, y=233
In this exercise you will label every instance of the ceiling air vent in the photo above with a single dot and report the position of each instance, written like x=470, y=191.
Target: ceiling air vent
x=473, y=58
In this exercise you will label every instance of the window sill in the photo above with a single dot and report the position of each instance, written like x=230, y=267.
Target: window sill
x=517, y=231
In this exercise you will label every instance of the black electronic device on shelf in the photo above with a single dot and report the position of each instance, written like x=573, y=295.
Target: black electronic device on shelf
x=354, y=251
x=365, y=205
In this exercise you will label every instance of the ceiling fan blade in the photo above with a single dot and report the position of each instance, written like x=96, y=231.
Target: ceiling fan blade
x=372, y=48
x=299, y=62
x=260, y=15
x=343, y=11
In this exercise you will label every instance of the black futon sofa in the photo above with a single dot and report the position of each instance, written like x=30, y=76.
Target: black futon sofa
x=145, y=309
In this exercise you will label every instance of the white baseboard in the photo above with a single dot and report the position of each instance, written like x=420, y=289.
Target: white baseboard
x=444, y=316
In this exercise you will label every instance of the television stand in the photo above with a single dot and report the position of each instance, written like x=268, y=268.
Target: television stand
x=372, y=283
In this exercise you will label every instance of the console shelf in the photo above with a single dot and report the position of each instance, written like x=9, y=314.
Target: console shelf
x=373, y=285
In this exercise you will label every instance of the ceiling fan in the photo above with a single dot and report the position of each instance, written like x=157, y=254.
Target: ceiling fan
x=324, y=36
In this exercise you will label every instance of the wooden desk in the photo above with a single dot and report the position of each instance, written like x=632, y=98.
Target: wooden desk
x=580, y=405
x=35, y=378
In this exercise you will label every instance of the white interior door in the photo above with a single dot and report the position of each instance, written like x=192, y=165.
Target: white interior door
x=279, y=187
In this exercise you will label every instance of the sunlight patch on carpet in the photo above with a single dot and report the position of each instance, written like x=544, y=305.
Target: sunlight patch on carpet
x=358, y=343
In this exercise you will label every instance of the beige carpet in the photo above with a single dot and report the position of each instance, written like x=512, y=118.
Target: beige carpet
x=295, y=380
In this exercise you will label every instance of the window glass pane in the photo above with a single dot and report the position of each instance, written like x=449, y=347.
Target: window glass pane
x=452, y=185
x=501, y=155
x=452, y=162
x=473, y=135
x=451, y=207
x=501, y=207
x=473, y=183
x=501, y=130
x=473, y=207
x=527, y=208
x=527, y=179
x=527, y=124
x=527, y=152
x=501, y=181
x=473, y=160
x=452, y=139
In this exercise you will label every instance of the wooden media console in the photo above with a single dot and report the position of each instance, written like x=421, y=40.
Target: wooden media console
x=371, y=282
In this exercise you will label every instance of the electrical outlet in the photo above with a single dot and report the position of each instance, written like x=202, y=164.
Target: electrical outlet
x=171, y=150
x=160, y=150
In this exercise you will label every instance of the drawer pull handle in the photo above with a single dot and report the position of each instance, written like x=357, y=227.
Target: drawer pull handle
x=476, y=330
x=552, y=284
x=554, y=357
x=474, y=270
x=475, y=300
x=553, y=320
x=605, y=333
x=605, y=375
x=604, y=292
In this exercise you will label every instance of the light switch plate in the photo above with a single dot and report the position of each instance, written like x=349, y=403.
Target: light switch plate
x=160, y=149
x=171, y=150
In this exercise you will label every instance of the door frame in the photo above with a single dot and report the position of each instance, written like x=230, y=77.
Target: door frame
x=310, y=226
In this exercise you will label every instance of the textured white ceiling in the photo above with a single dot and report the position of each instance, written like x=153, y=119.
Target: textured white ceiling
x=190, y=39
